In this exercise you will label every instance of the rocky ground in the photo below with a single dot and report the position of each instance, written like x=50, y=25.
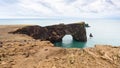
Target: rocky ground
x=21, y=51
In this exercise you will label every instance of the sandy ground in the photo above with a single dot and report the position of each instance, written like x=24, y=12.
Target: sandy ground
x=21, y=51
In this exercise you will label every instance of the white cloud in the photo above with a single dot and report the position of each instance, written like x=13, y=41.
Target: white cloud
x=59, y=8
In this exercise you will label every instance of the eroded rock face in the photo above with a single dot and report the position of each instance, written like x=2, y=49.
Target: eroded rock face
x=55, y=33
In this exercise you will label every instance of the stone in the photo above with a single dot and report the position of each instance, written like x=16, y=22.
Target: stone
x=26, y=54
x=46, y=49
x=55, y=33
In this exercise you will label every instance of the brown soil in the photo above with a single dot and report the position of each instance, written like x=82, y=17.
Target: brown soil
x=21, y=51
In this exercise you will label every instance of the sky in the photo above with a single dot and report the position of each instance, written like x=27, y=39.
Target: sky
x=59, y=8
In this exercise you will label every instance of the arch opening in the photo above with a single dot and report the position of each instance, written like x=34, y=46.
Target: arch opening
x=67, y=39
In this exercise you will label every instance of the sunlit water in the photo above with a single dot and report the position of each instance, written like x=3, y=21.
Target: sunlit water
x=104, y=31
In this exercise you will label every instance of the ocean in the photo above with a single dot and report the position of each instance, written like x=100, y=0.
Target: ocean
x=104, y=31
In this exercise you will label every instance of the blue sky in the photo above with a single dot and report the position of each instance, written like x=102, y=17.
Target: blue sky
x=59, y=8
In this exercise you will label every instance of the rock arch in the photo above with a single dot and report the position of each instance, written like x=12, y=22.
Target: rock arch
x=55, y=33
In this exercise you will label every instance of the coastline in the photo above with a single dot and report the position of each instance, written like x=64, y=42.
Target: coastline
x=22, y=51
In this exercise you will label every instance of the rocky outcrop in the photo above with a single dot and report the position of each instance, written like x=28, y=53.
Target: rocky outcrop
x=22, y=51
x=55, y=33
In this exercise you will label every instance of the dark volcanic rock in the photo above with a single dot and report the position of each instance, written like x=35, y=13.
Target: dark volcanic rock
x=55, y=33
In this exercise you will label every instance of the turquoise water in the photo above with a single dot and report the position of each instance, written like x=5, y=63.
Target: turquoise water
x=105, y=31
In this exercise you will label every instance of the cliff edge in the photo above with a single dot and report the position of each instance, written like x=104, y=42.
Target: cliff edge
x=22, y=51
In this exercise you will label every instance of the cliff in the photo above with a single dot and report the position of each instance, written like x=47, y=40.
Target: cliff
x=55, y=33
x=22, y=51
x=42, y=54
